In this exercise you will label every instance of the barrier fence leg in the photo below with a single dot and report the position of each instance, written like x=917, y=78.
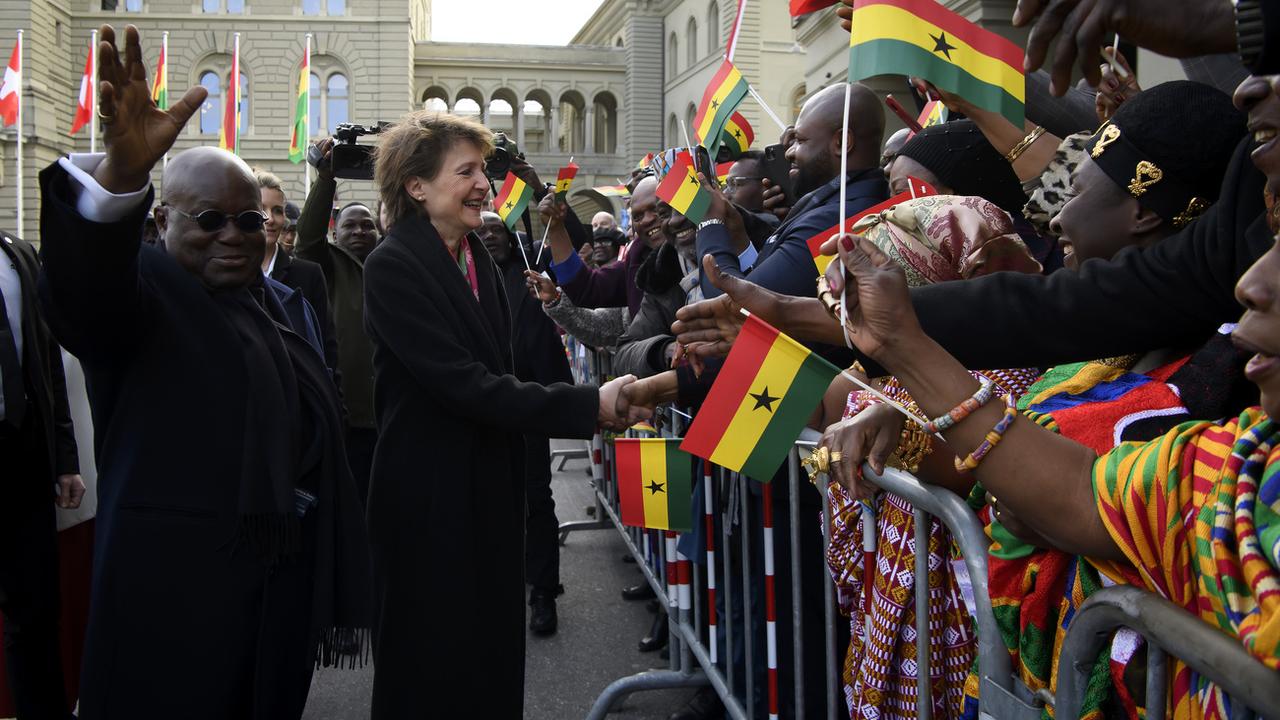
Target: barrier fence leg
x=598, y=479
x=726, y=527
x=673, y=606
x=684, y=576
x=924, y=691
x=770, y=597
x=829, y=616
x=748, y=644
x=797, y=625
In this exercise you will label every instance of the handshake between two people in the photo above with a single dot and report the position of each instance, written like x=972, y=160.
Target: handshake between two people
x=618, y=410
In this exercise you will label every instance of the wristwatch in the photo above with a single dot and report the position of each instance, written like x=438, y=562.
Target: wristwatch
x=1250, y=31
x=710, y=221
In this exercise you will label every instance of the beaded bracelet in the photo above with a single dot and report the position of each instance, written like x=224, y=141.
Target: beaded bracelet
x=961, y=411
x=992, y=439
x=913, y=447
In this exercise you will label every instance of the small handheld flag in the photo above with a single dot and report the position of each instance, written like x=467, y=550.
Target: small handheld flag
x=644, y=161
x=722, y=97
x=922, y=38
x=229, y=135
x=759, y=403
x=564, y=180
x=11, y=89
x=737, y=136
x=655, y=483
x=512, y=199
x=934, y=113
x=619, y=191
x=918, y=188
x=722, y=172
x=160, y=84
x=681, y=190
x=86, y=99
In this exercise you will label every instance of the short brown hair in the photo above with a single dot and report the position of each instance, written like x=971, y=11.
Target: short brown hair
x=416, y=146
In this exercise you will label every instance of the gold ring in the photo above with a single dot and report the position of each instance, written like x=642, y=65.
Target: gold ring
x=836, y=456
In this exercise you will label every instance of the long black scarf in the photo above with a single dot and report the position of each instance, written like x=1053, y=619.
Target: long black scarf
x=267, y=519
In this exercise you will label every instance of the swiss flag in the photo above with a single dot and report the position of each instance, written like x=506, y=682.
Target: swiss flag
x=11, y=90
x=88, y=94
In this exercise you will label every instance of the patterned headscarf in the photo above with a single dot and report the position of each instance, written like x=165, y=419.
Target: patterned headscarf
x=946, y=237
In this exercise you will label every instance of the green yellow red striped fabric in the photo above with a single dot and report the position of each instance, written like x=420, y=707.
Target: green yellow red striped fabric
x=916, y=188
x=160, y=85
x=613, y=190
x=722, y=172
x=921, y=38
x=721, y=99
x=644, y=161
x=737, y=136
x=298, y=140
x=655, y=483
x=766, y=390
x=681, y=190
x=229, y=134
x=564, y=180
x=512, y=199
x=934, y=113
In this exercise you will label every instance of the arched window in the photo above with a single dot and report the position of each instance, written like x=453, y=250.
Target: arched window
x=691, y=37
x=713, y=27
x=330, y=95
x=243, y=103
x=337, y=102
x=211, y=110
x=689, y=114
x=316, y=90
x=673, y=56
x=673, y=131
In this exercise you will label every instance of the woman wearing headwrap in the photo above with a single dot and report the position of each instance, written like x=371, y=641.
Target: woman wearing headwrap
x=932, y=239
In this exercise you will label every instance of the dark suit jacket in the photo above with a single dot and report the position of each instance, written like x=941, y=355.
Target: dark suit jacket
x=785, y=264
x=42, y=366
x=307, y=276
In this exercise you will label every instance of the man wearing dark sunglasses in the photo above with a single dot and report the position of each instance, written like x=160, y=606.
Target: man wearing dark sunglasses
x=229, y=535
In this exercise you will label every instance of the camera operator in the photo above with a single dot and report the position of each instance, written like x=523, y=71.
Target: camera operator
x=343, y=264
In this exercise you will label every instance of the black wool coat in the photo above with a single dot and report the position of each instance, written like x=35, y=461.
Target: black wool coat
x=308, y=277
x=446, y=500
x=182, y=624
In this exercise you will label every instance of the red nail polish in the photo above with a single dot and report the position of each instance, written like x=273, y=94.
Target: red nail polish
x=847, y=242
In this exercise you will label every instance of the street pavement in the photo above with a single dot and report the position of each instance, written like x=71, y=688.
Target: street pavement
x=595, y=645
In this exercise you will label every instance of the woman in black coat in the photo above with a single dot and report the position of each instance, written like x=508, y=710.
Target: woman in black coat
x=446, y=499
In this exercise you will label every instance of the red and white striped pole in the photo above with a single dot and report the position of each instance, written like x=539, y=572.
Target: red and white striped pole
x=707, y=505
x=770, y=595
x=868, y=569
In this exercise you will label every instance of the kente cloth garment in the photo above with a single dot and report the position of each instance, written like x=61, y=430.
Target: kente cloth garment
x=947, y=237
x=1197, y=514
x=880, y=676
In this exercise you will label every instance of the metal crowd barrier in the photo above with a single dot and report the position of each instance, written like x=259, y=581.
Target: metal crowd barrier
x=726, y=497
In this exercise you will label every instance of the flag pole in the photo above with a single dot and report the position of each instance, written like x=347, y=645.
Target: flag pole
x=768, y=110
x=733, y=32
x=694, y=155
x=93, y=91
x=21, y=72
x=546, y=228
x=306, y=122
x=164, y=52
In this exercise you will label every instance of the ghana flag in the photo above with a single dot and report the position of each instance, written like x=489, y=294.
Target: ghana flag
x=512, y=199
x=924, y=39
x=564, y=180
x=722, y=172
x=681, y=190
x=301, y=110
x=160, y=85
x=655, y=483
x=766, y=390
x=737, y=136
x=723, y=95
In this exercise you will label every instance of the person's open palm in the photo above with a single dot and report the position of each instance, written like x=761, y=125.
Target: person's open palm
x=136, y=132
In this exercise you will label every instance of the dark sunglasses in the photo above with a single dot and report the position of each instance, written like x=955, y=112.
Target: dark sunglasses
x=212, y=221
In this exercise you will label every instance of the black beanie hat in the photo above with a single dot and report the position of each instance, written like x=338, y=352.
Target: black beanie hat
x=612, y=235
x=1169, y=147
x=962, y=158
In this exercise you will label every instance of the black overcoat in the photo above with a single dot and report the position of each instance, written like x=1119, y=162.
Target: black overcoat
x=446, y=502
x=181, y=623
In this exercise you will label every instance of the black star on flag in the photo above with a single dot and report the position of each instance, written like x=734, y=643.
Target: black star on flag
x=509, y=205
x=714, y=103
x=737, y=134
x=655, y=487
x=764, y=399
x=693, y=180
x=940, y=45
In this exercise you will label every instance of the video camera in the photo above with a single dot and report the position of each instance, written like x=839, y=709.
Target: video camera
x=499, y=163
x=347, y=159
